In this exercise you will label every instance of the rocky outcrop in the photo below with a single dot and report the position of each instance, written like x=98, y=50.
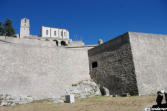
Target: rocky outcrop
x=8, y=100
x=84, y=89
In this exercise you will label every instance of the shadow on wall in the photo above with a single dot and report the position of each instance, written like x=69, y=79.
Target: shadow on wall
x=115, y=84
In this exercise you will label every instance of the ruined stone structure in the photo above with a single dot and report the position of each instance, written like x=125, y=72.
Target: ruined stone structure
x=133, y=63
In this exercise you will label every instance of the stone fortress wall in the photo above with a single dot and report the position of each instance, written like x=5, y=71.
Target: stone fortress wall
x=133, y=63
x=111, y=65
x=38, y=68
x=150, y=60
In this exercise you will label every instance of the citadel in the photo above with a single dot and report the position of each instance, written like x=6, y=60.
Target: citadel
x=45, y=66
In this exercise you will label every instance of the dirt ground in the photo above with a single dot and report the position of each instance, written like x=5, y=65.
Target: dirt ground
x=98, y=103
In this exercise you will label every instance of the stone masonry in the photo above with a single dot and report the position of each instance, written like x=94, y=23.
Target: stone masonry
x=36, y=68
x=150, y=60
x=115, y=68
x=133, y=63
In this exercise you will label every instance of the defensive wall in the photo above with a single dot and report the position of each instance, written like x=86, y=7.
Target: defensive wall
x=111, y=66
x=133, y=63
x=39, y=68
x=150, y=60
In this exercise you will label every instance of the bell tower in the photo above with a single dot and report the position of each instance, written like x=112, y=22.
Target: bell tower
x=24, y=27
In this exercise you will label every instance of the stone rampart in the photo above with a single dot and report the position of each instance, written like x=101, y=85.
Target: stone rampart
x=111, y=66
x=150, y=61
x=39, y=68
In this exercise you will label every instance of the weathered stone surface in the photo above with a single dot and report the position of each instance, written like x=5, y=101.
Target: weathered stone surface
x=57, y=100
x=133, y=63
x=115, y=69
x=84, y=89
x=150, y=60
x=39, y=69
x=8, y=100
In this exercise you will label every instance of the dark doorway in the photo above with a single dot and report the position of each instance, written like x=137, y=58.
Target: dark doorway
x=63, y=43
x=56, y=42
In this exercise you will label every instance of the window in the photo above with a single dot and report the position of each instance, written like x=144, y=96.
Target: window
x=55, y=33
x=46, y=32
x=24, y=20
x=62, y=33
x=94, y=64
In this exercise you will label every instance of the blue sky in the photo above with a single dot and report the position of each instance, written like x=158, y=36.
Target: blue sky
x=89, y=20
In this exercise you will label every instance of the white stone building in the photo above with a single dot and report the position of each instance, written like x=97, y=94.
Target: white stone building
x=24, y=28
x=54, y=32
x=60, y=36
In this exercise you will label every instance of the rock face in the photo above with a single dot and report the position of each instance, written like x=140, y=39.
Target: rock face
x=84, y=89
x=57, y=100
x=8, y=100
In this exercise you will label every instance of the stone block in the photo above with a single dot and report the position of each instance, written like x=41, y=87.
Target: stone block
x=70, y=98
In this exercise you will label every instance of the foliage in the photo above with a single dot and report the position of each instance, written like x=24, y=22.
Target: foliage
x=74, y=84
x=8, y=28
x=1, y=29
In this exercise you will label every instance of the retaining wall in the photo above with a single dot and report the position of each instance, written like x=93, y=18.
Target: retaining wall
x=38, y=69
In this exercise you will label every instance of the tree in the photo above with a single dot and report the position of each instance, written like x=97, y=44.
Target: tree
x=1, y=29
x=8, y=28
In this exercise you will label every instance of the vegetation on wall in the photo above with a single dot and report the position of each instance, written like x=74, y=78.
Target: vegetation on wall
x=7, y=29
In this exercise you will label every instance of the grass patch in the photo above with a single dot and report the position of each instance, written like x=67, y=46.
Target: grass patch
x=74, y=85
x=97, y=103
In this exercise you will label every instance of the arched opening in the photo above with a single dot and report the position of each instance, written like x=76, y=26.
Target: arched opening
x=57, y=43
x=103, y=93
x=63, y=43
